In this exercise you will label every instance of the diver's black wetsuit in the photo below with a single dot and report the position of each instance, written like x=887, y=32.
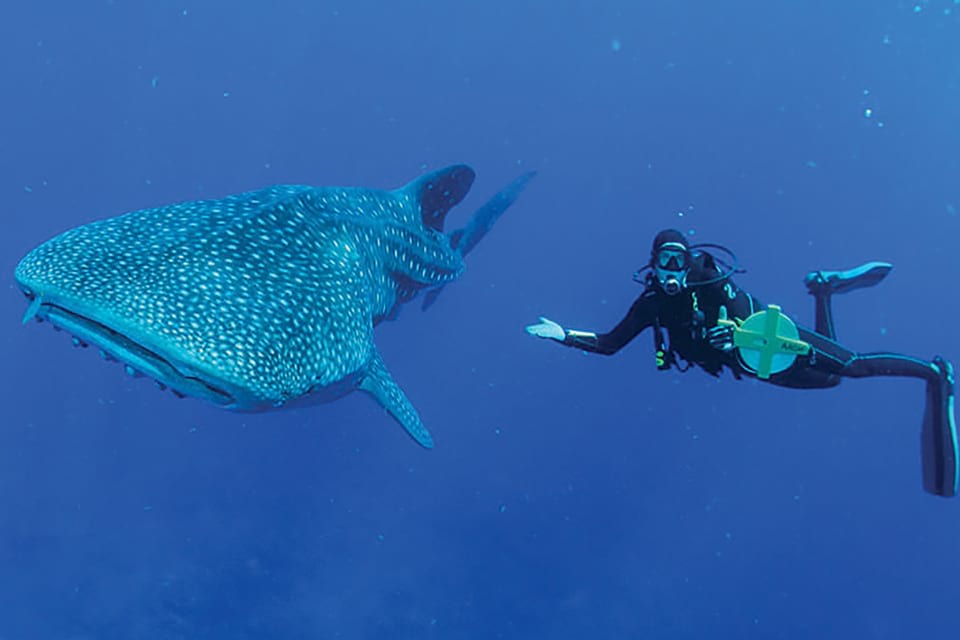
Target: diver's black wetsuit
x=687, y=315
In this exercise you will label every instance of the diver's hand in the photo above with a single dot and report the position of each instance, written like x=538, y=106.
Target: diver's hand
x=720, y=337
x=547, y=329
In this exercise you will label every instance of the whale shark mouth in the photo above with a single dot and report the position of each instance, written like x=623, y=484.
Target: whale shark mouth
x=114, y=345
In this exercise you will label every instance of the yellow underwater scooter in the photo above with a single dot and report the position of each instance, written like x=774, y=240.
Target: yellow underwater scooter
x=767, y=341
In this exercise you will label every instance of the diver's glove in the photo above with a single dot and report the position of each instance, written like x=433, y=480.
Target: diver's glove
x=720, y=337
x=547, y=329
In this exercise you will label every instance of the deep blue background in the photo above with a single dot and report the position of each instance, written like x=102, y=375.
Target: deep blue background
x=569, y=496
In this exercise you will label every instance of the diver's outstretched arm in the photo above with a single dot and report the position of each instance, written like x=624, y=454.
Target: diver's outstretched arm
x=640, y=316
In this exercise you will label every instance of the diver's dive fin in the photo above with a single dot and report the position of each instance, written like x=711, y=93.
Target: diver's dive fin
x=866, y=275
x=465, y=239
x=380, y=384
x=941, y=467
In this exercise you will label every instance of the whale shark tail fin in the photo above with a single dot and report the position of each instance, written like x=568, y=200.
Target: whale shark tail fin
x=466, y=238
x=483, y=219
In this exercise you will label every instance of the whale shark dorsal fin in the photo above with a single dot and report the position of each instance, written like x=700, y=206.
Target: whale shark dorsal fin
x=440, y=190
x=380, y=384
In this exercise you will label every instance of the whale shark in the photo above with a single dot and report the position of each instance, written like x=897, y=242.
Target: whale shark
x=261, y=300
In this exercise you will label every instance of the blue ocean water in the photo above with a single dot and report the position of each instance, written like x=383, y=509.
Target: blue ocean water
x=569, y=495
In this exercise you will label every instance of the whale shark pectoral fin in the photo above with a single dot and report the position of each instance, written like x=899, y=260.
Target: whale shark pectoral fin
x=380, y=384
x=440, y=190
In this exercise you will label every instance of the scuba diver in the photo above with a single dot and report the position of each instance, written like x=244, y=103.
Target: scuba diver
x=709, y=321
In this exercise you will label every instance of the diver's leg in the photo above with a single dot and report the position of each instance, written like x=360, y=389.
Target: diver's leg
x=867, y=365
x=829, y=361
x=823, y=284
x=824, y=315
x=938, y=438
x=821, y=368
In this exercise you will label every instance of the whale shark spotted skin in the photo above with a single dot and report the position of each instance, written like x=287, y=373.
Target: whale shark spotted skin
x=264, y=299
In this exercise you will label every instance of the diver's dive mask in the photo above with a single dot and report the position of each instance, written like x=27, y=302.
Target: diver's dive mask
x=670, y=264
